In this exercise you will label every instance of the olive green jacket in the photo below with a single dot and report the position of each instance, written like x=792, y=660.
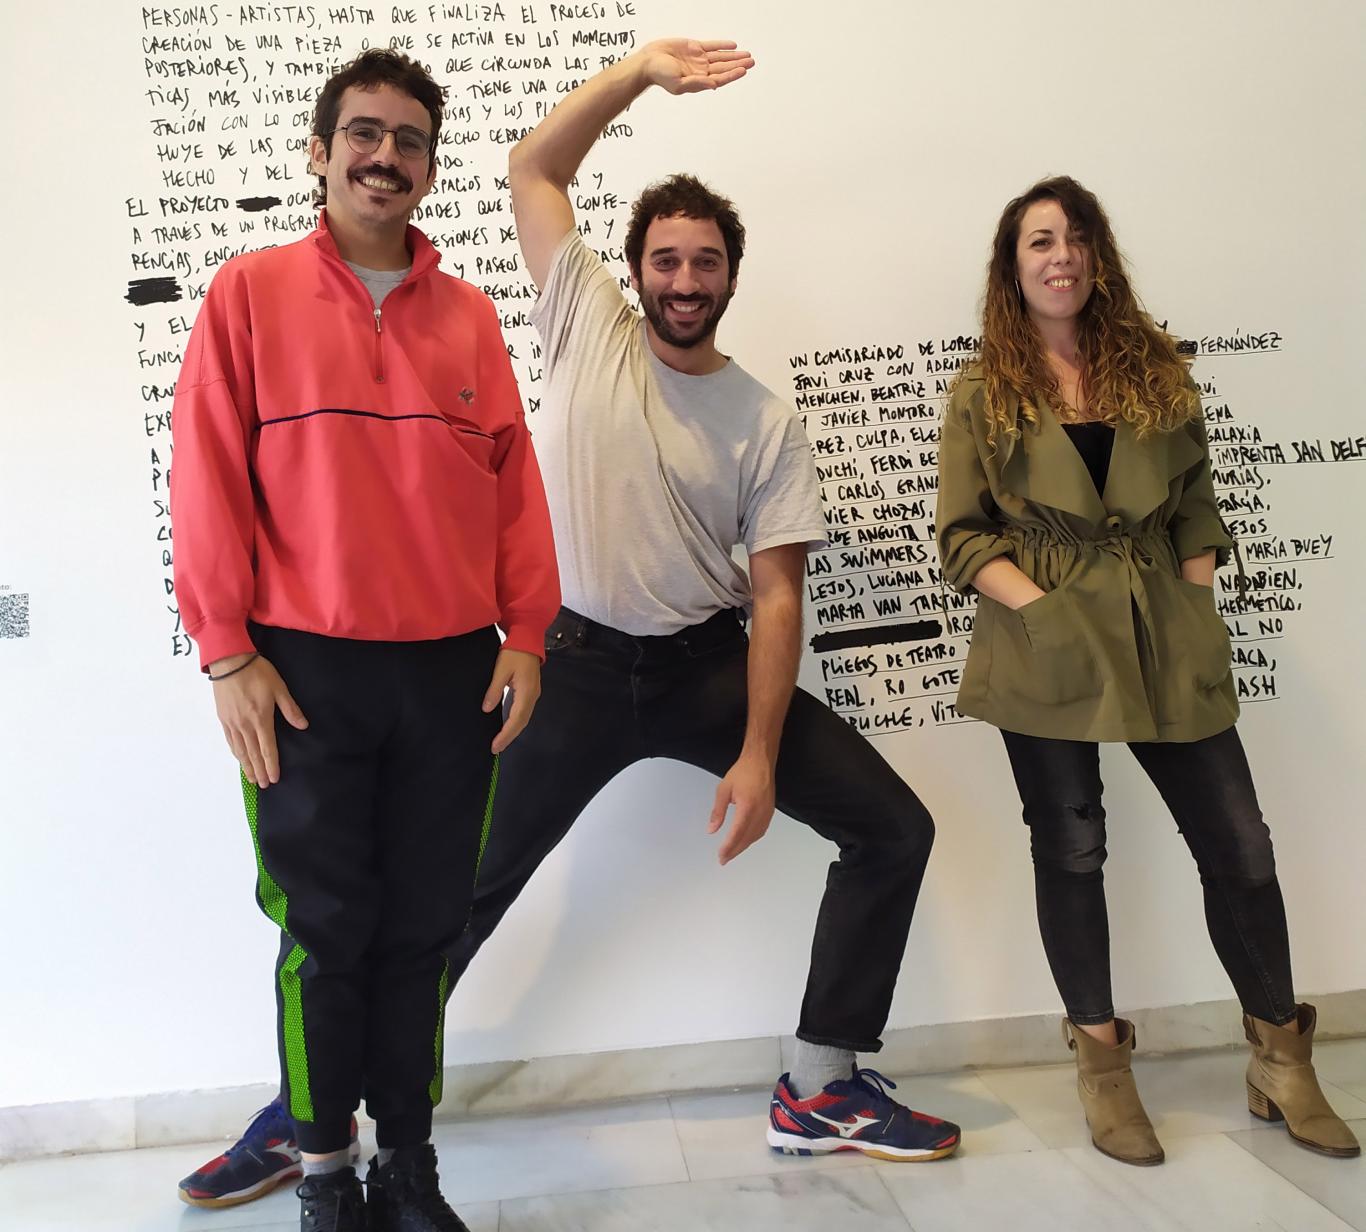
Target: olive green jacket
x=1120, y=648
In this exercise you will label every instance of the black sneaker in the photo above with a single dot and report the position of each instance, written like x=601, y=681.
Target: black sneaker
x=376, y=1202
x=333, y=1202
x=404, y=1195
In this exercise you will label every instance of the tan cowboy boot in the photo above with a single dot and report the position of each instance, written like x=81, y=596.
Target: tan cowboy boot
x=1119, y=1126
x=1282, y=1086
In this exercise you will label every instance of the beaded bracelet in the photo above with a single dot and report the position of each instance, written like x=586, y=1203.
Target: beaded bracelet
x=240, y=667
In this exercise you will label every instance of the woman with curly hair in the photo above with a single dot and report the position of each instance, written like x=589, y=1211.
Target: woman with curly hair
x=1075, y=498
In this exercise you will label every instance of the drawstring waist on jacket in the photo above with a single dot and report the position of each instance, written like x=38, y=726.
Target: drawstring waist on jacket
x=1118, y=543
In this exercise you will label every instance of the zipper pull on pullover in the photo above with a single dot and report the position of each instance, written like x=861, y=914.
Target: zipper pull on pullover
x=379, y=350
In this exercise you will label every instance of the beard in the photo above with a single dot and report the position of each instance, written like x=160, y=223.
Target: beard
x=654, y=307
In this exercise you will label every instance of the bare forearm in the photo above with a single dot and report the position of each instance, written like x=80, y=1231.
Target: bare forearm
x=1002, y=580
x=555, y=149
x=1199, y=569
x=774, y=651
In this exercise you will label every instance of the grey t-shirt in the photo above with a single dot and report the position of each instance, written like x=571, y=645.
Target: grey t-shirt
x=653, y=476
x=379, y=282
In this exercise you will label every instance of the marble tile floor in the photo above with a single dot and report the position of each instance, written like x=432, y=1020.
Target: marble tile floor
x=700, y=1162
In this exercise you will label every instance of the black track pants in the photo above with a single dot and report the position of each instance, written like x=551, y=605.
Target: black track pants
x=367, y=850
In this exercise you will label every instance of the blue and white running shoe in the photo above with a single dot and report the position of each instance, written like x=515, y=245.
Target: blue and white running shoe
x=857, y=1114
x=266, y=1155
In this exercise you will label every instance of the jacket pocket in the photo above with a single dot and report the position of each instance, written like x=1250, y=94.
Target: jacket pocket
x=477, y=444
x=976, y=677
x=1201, y=642
x=1054, y=662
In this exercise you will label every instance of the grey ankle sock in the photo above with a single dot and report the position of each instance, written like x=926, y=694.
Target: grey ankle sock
x=816, y=1066
x=324, y=1164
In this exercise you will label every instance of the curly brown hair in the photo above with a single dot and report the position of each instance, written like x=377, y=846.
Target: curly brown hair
x=687, y=197
x=379, y=66
x=1130, y=367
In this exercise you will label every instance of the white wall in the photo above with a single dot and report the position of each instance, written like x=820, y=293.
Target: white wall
x=870, y=152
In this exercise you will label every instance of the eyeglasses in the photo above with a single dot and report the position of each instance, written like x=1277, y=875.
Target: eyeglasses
x=366, y=136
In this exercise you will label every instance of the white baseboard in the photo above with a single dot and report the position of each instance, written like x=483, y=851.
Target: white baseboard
x=543, y=1083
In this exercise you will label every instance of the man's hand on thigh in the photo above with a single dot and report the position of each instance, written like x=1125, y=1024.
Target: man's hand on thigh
x=246, y=701
x=520, y=674
x=748, y=786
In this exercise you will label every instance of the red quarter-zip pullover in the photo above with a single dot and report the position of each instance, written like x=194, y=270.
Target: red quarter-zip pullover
x=353, y=472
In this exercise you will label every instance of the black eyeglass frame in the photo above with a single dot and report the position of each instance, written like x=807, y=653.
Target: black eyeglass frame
x=370, y=148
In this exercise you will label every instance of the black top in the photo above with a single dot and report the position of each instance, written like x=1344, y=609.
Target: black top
x=1095, y=441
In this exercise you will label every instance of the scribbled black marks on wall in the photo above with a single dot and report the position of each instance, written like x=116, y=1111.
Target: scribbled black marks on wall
x=880, y=635
x=143, y=291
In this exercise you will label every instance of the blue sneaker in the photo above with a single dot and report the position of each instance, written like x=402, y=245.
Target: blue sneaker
x=265, y=1156
x=857, y=1114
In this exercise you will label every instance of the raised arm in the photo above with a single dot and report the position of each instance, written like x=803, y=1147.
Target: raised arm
x=544, y=162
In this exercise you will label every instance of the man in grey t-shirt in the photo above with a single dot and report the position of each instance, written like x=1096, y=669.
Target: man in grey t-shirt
x=660, y=454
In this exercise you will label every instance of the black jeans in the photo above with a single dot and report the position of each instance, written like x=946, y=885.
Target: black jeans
x=1208, y=788
x=366, y=855
x=609, y=699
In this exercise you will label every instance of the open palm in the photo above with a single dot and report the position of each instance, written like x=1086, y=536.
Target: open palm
x=687, y=66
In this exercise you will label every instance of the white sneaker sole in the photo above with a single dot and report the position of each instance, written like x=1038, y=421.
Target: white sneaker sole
x=795, y=1144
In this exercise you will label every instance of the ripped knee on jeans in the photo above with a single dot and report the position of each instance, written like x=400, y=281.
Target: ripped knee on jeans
x=1069, y=838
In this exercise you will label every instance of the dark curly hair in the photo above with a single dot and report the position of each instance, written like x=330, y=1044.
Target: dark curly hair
x=1131, y=368
x=683, y=196
x=377, y=67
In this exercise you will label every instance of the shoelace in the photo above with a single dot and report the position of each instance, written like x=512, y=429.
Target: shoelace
x=878, y=1084
x=311, y=1192
x=244, y=1142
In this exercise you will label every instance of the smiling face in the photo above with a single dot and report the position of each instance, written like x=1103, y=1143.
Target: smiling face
x=684, y=281
x=1052, y=263
x=378, y=190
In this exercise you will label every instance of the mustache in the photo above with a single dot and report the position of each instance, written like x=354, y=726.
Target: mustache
x=686, y=299
x=388, y=173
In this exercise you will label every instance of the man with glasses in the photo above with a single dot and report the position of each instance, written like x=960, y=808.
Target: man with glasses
x=356, y=506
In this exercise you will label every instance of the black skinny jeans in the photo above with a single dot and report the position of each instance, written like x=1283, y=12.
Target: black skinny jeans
x=1208, y=788
x=609, y=699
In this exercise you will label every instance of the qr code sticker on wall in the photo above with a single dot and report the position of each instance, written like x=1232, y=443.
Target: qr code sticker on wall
x=13, y=615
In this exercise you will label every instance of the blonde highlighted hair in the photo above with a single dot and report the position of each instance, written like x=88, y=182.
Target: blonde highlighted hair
x=1130, y=367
